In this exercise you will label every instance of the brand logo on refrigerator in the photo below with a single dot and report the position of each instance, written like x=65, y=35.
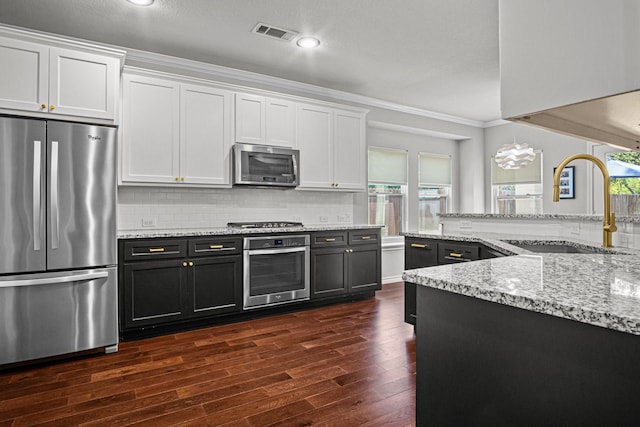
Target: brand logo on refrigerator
x=93, y=138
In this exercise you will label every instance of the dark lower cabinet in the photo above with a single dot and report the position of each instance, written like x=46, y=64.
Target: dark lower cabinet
x=422, y=252
x=155, y=290
x=345, y=262
x=214, y=285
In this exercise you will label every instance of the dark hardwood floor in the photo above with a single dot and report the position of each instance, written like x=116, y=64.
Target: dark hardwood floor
x=345, y=365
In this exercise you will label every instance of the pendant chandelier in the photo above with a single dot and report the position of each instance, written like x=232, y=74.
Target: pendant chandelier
x=514, y=155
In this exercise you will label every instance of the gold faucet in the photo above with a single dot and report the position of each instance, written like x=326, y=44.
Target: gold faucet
x=609, y=224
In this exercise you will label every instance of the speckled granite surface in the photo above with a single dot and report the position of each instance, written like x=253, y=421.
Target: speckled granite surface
x=568, y=217
x=600, y=289
x=152, y=233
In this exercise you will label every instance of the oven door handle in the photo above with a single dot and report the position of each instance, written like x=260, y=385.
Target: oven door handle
x=278, y=251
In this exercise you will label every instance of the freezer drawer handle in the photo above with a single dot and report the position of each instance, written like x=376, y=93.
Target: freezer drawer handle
x=55, y=223
x=152, y=250
x=37, y=155
x=51, y=280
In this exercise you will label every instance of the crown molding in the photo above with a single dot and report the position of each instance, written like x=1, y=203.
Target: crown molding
x=415, y=131
x=305, y=88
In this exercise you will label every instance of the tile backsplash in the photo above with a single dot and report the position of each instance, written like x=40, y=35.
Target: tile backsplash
x=144, y=208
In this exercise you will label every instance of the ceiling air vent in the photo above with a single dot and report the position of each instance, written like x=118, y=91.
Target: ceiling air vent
x=275, y=32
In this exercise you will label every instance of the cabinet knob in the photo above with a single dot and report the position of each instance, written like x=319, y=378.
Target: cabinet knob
x=177, y=179
x=52, y=107
x=184, y=264
x=43, y=106
x=182, y=179
x=190, y=263
x=348, y=251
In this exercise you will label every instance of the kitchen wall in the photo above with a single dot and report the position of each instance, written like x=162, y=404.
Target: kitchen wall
x=555, y=148
x=171, y=208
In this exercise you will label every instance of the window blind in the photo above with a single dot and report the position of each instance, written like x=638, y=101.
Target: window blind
x=530, y=174
x=387, y=166
x=434, y=169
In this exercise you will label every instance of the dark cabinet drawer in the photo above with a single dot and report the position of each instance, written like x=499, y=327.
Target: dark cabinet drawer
x=420, y=253
x=363, y=237
x=214, y=246
x=452, y=252
x=140, y=250
x=326, y=239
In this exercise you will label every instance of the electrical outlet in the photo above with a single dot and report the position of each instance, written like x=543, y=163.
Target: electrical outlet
x=575, y=228
x=149, y=221
x=466, y=225
x=341, y=218
x=296, y=219
x=324, y=218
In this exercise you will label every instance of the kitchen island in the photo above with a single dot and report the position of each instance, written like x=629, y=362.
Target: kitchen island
x=529, y=339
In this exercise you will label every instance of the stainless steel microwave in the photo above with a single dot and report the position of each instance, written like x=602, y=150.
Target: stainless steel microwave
x=265, y=166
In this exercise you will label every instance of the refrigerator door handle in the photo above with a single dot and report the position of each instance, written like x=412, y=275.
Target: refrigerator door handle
x=37, y=155
x=51, y=280
x=55, y=223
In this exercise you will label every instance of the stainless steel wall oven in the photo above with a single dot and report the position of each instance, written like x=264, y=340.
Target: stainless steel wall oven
x=276, y=270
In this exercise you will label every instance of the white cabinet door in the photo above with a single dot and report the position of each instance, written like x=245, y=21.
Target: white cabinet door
x=250, y=119
x=205, y=135
x=82, y=84
x=150, y=130
x=349, y=150
x=24, y=75
x=316, y=146
x=280, y=123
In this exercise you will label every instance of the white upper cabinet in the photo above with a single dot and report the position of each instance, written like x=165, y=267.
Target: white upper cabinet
x=555, y=53
x=150, y=132
x=315, y=142
x=265, y=120
x=175, y=132
x=350, y=148
x=332, y=148
x=42, y=80
x=205, y=135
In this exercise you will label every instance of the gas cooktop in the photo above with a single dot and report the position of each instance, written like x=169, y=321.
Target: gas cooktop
x=264, y=224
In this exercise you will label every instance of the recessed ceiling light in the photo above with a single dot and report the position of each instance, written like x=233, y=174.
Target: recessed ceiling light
x=141, y=2
x=308, y=42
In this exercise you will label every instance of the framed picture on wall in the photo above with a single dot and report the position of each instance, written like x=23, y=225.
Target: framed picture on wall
x=567, y=186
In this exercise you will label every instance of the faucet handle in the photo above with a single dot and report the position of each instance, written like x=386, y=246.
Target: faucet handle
x=612, y=227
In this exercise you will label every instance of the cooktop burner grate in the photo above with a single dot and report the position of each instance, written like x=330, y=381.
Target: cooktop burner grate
x=264, y=224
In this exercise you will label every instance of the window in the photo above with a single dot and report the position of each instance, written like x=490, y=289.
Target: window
x=624, y=170
x=387, y=189
x=434, y=190
x=517, y=191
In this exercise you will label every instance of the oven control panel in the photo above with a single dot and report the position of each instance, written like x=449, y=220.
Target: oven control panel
x=276, y=242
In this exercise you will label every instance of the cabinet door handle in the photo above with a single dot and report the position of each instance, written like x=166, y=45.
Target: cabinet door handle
x=455, y=255
x=418, y=245
x=348, y=250
x=366, y=237
x=332, y=239
x=184, y=264
x=52, y=107
x=216, y=246
x=190, y=263
x=152, y=250
x=43, y=106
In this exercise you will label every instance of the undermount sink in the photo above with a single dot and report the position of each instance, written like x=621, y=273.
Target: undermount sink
x=559, y=248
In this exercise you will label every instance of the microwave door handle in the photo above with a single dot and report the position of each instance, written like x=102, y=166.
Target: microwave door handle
x=295, y=167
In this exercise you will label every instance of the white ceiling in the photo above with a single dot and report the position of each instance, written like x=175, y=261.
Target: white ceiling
x=436, y=55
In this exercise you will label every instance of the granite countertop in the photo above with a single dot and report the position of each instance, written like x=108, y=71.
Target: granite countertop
x=601, y=289
x=221, y=231
x=566, y=217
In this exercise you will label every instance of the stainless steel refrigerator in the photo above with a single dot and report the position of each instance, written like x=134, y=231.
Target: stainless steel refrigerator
x=58, y=279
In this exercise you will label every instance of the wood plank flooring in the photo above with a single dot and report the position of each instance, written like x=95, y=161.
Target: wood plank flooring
x=345, y=365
